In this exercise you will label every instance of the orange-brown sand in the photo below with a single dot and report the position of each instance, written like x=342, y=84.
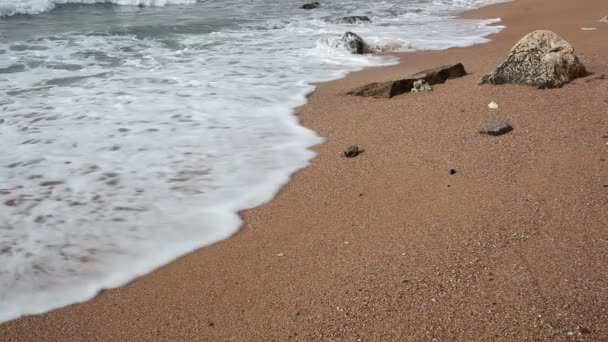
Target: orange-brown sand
x=389, y=246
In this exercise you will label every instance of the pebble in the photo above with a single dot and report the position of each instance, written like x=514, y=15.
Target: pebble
x=492, y=105
x=352, y=151
x=280, y=254
x=496, y=130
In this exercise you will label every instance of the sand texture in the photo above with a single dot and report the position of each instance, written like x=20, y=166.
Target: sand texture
x=390, y=245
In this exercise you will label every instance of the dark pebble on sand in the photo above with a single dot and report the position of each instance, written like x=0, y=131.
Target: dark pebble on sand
x=496, y=130
x=452, y=171
x=51, y=183
x=584, y=330
x=11, y=203
x=352, y=151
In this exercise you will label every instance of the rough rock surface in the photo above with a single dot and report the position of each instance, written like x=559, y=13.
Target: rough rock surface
x=354, y=43
x=389, y=89
x=310, y=5
x=541, y=59
x=353, y=19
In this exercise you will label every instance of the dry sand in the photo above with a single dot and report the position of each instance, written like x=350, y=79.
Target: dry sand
x=389, y=246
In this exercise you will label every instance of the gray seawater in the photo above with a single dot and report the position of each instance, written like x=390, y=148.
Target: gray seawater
x=132, y=135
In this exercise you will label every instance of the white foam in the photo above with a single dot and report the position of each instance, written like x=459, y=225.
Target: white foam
x=32, y=7
x=122, y=153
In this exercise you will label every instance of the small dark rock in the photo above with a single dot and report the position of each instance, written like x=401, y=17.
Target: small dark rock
x=354, y=43
x=452, y=171
x=353, y=19
x=11, y=203
x=51, y=183
x=584, y=330
x=352, y=151
x=310, y=5
x=498, y=129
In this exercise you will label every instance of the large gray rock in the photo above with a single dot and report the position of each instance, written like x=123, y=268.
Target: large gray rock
x=541, y=59
x=389, y=89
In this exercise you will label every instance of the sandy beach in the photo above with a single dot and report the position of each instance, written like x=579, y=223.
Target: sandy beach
x=390, y=245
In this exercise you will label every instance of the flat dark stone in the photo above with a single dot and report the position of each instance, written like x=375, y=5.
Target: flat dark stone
x=441, y=74
x=497, y=129
x=353, y=19
x=389, y=89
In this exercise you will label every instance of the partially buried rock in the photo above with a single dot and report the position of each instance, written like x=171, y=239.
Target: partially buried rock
x=354, y=43
x=421, y=85
x=604, y=20
x=541, y=59
x=442, y=73
x=353, y=19
x=389, y=89
x=352, y=151
x=310, y=5
x=496, y=129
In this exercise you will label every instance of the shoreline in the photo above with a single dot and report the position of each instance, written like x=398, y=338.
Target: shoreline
x=348, y=232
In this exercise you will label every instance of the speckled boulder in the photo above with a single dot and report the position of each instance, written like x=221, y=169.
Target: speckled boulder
x=541, y=59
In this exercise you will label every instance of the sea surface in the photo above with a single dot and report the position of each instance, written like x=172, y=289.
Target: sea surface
x=132, y=131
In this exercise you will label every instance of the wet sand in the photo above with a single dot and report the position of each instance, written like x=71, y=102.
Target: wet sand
x=390, y=246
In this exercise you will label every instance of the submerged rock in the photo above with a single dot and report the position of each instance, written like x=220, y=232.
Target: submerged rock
x=541, y=59
x=421, y=85
x=389, y=89
x=353, y=19
x=310, y=5
x=354, y=43
x=496, y=129
x=352, y=151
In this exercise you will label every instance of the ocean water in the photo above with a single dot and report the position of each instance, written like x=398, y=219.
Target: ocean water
x=133, y=131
